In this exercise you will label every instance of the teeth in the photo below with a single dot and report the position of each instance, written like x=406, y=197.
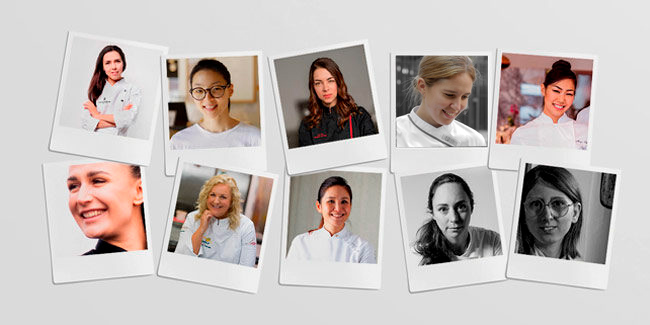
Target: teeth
x=92, y=213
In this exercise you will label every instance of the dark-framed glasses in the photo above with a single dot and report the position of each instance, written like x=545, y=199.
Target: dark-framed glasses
x=557, y=206
x=199, y=93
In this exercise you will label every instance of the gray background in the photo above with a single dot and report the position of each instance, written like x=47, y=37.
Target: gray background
x=364, y=215
x=293, y=83
x=34, y=42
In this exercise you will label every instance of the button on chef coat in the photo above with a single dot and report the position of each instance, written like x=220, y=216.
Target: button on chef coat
x=112, y=101
x=412, y=131
x=219, y=242
x=542, y=132
x=343, y=246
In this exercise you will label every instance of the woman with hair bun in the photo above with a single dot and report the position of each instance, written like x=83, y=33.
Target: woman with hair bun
x=112, y=102
x=553, y=128
x=332, y=241
x=333, y=114
x=442, y=89
x=217, y=230
x=448, y=236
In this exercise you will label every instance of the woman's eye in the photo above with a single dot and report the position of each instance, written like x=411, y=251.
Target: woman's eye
x=98, y=181
x=570, y=94
x=443, y=209
x=462, y=207
x=450, y=95
x=72, y=186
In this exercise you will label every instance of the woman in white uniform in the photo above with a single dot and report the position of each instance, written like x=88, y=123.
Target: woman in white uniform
x=553, y=128
x=218, y=230
x=332, y=241
x=106, y=200
x=112, y=102
x=550, y=215
x=447, y=236
x=211, y=89
x=443, y=86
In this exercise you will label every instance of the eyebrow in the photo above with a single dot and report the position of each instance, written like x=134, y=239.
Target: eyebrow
x=569, y=89
x=89, y=174
x=334, y=197
x=330, y=78
x=454, y=92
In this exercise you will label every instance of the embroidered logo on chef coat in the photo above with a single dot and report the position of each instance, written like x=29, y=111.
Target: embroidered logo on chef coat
x=206, y=242
x=320, y=135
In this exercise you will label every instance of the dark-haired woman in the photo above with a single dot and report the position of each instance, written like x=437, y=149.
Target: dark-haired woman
x=333, y=114
x=106, y=200
x=448, y=236
x=332, y=241
x=553, y=128
x=211, y=89
x=550, y=216
x=112, y=101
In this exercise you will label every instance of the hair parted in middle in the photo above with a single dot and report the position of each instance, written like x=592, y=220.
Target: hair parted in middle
x=235, y=209
x=345, y=105
x=435, y=68
x=431, y=242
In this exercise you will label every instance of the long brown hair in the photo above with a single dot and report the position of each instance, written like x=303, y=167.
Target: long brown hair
x=345, y=105
x=98, y=80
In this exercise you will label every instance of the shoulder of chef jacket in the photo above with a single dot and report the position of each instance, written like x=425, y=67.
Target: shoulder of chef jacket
x=412, y=131
x=542, y=132
x=219, y=242
x=319, y=245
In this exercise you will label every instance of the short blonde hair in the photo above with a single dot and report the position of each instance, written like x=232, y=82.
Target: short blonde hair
x=234, y=211
x=435, y=68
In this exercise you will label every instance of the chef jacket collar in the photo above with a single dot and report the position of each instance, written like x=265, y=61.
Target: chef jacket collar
x=221, y=223
x=441, y=133
x=322, y=232
x=545, y=119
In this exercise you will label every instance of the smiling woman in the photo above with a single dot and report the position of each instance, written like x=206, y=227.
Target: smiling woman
x=447, y=236
x=332, y=241
x=218, y=230
x=112, y=102
x=106, y=200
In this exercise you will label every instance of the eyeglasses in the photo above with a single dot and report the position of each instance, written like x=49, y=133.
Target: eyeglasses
x=557, y=206
x=199, y=93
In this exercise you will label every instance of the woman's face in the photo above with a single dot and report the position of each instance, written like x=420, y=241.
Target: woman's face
x=558, y=97
x=452, y=211
x=113, y=66
x=549, y=224
x=219, y=200
x=445, y=99
x=211, y=107
x=325, y=87
x=335, y=207
x=103, y=198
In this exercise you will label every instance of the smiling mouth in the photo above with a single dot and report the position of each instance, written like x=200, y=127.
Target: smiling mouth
x=210, y=108
x=448, y=115
x=337, y=216
x=92, y=214
x=559, y=107
x=548, y=229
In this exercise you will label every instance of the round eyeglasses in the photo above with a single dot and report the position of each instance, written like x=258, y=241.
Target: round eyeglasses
x=199, y=93
x=557, y=206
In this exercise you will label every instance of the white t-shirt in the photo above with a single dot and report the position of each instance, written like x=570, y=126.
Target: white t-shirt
x=112, y=101
x=482, y=243
x=343, y=246
x=412, y=131
x=542, y=132
x=219, y=242
x=196, y=137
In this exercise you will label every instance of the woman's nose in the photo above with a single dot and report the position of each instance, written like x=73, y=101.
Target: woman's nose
x=454, y=216
x=546, y=214
x=83, y=195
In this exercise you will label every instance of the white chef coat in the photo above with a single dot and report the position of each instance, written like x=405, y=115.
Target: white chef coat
x=539, y=252
x=219, y=241
x=343, y=246
x=412, y=131
x=542, y=132
x=196, y=137
x=482, y=243
x=112, y=101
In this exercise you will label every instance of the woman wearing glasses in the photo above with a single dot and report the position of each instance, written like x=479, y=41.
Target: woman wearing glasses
x=211, y=89
x=112, y=102
x=550, y=216
x=447, y=236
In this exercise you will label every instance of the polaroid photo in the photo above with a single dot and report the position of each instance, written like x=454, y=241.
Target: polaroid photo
x=212, y=107
x=216, y=227
x=107, y=108
x=563, y=223
x=440, y=108
x=327, y=107
x=333, y=228
x=451, y=227
x=542, y=108
x=98, y=220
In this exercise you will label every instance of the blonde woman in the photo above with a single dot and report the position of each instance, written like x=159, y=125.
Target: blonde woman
x=218, y=230
x=442, y=88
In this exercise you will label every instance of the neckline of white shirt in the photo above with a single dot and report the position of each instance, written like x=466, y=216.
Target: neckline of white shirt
x=115, y=84
x=201, y=129
x=429, y=129
x=324, y=233
x=545, y=119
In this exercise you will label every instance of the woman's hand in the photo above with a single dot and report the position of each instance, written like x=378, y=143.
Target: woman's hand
x=205, y=220
x=92, y=109
x=197, y=237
